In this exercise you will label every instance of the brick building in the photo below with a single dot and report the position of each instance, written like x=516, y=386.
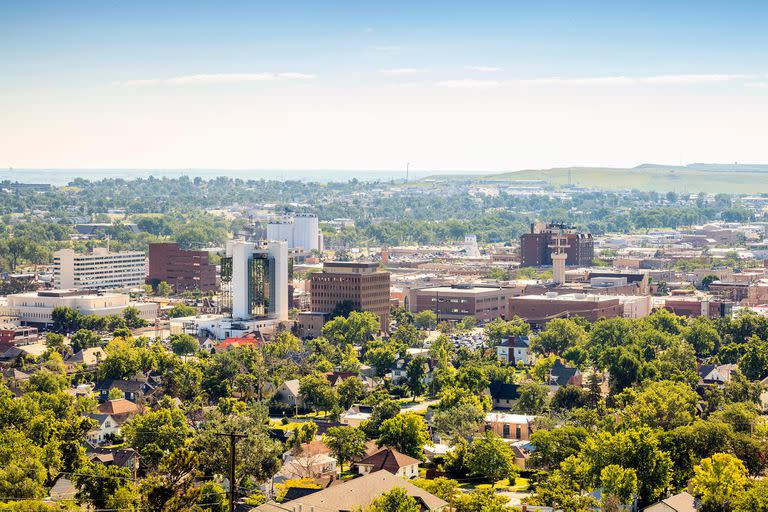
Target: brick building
x=537, y=310
x=360, y=284
x=183, y=270
x=535, y=250
x=462, y=300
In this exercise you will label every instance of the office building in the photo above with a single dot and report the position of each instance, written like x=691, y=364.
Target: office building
x=455, y=302
x=300, y=230
x=360, y=285
x=99, y=270
x=254, y=280
x=183, y=270
x=35, y=308
x=536, y=247
x=537, y=310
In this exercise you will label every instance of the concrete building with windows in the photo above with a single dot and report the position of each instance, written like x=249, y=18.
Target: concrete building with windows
x=35, y=308
x=537, y=310
x=455, y=302
x=99, y=270
x=360, y=285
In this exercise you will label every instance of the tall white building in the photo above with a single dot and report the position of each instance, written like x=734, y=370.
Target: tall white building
x=99, y=270
x=255, y=279
x=301, y=230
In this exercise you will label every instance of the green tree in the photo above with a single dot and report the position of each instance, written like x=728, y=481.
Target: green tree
x=183, y=344
x=619, y=482
x=355, y=329
x=382, y=411
x=555, y=445
x=98, y=484
x=180, y=309
x=395, y=500
x=133, y=318
x=351, y=390
x=559, y=335
x=84, y=338
x=406, y=432
x=164, y=289
x=702, y=335
x=155, y=433
x=533, y=397
x=485, y=500
x=444, y=488
x=663, y=404
x=498, y=330
x=415, y=372
x=317, y=393
x=754, y=361
x=54, y=341
x=719, y=481
x=171, y=488
x=490, y=458
x=462, y=420
x=426, y=319
x=346, y=443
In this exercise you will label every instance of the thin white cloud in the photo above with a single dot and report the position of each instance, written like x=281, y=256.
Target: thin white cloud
x=483, y=69
x=470, y=83
x=691, y=79
x=757, y=85
x=402, y=71
x=218, y=78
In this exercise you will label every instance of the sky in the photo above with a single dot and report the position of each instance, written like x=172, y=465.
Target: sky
x=480, y=86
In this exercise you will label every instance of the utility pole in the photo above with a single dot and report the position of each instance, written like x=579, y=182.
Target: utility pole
x=232, y=446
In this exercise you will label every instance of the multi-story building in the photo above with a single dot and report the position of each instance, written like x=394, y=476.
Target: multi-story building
x=99, y=270
x=254, y=280
x=537, y=310
x=182, y=269
x=360, y=285
x=12, y=335
x=35, y=308
x=299, y=230
x=536, y=246
x=484, y=302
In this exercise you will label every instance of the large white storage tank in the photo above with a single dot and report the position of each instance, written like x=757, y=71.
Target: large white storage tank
x=281, y=230
x=306, y=231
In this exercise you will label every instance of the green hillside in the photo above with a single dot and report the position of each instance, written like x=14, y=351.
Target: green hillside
x=744, y=179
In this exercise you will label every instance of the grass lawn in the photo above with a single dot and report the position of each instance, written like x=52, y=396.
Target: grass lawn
x=520, y=484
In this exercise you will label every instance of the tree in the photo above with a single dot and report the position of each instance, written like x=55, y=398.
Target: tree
x=84, y=338
x=155, y=433
x=97, y=483
x=54, y=341
x=395, y=500
x=355, y=329
x=415, y=372
x=462, y=420
x=407, y=433
x=533, y=397
x=346, y=443
x=382, y=411
x=183, y=344
x=164, y=289
x=498, y=330
x=133, y=318
x=638, y=449
x=708, y=280
x=317, y=392
x=619, y=482
x=754, y=362
x=467, y=323
x=702, y=335
x=569, y=397
x=485, y=500
x=719, y=481
x=444, y=488
x=180, y=309
x=556, y=445
x=559, y=335
x=491, y=458
x=171, y=488
x=351, y=390
x=426, y=319
x=755, y=498
x=663, y=404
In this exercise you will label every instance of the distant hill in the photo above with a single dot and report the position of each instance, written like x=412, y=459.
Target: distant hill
x=698, y=177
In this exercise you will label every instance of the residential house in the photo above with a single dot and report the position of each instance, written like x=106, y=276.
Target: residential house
x=562, y=375
x=121, y=410
x=509, y=426
x=106, y=429
x=683, y=502
x=515, y=350
x=133, y=390
x=288, y=394
x=356, y=415
x=120, y=457
x=310, y=463
x=399, y=371
x=503, y=395
x=356, y=494
x=717, y=375
x=88, y=357
x=390, y=460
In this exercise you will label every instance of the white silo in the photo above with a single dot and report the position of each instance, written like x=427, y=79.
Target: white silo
x=306, y=231
x=281, y=230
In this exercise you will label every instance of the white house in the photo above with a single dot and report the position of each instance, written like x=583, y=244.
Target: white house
x=106, y=429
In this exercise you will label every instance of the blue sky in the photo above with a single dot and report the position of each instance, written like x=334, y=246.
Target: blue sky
x=370, y=85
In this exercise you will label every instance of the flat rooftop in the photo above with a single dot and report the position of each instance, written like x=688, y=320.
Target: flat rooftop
x=571, y=297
